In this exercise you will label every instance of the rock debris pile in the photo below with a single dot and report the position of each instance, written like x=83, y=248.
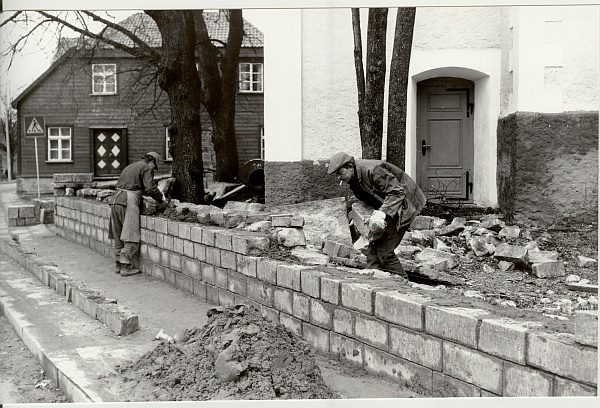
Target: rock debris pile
x=238, y=355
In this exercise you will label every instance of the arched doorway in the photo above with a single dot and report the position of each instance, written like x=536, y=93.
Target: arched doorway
x=445, y=138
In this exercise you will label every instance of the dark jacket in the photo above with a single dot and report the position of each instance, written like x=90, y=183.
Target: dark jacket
x=138, y=176
x=387, y=188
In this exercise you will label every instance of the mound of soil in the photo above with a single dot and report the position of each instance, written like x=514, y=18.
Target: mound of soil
x=238, y=355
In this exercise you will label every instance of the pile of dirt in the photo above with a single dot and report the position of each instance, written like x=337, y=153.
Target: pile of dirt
x=238, y=355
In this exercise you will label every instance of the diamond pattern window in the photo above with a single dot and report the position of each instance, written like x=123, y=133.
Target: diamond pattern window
x=59, y=144
x=104, y=79
x=251, y=77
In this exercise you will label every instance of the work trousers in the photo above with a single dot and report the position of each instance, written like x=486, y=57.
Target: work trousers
x=380, y=253
x=123, y=250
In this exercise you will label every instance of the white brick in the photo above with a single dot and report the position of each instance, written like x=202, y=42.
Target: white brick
x=473, y=367
x=586, y=327
x=358, y=296
x=520, y=381
x=405, y=309
x=505, y=338
x=417, y=347
x=372, y=331
x=457, y=324
x=347, y=349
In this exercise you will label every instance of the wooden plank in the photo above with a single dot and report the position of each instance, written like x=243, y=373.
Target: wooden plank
x=583, y=287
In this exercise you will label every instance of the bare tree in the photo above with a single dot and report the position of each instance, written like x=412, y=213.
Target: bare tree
x=371, y=87
x=396, y=133
x=371, y=105
x=8, y=127
x=172, y=66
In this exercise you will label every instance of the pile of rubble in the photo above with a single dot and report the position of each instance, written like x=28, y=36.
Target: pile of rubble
x=237, y=355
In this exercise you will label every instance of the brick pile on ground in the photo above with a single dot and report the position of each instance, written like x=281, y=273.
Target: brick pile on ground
x=238, y=355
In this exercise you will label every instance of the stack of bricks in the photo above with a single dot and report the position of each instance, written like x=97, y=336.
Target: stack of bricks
x=21, y=215
x=67, y=184
x=394, y=330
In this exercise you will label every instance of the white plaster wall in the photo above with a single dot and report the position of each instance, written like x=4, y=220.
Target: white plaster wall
x=555, y=58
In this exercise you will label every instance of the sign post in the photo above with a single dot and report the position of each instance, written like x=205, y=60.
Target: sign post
x=35, y=127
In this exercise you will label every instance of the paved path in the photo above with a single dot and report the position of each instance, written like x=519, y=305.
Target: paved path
x=71, y=345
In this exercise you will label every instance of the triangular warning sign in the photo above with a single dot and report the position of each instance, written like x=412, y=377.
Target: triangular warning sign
x=34, y=127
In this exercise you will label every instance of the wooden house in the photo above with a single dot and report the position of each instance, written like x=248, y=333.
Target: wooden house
x=98, y=111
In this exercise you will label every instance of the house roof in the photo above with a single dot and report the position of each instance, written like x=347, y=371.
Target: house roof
x=146, y=29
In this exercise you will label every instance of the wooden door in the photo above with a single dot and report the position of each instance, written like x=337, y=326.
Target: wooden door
x=445, y=138
x=110, y=155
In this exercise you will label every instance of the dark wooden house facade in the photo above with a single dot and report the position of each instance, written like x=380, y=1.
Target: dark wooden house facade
x=95, y=113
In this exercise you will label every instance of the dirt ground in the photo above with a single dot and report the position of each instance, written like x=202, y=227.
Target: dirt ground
x=22, y=378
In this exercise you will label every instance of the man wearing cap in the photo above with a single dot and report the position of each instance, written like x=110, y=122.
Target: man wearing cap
x=124, y=226
x=396, y=198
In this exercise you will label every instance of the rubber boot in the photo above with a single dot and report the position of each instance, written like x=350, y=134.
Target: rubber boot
x=117, y=267
x=127, y=270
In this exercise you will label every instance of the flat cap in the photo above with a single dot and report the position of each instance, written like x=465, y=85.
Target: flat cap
x=337, y=161
x=156, y=159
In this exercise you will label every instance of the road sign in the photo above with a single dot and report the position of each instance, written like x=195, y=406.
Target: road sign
x=34, y=126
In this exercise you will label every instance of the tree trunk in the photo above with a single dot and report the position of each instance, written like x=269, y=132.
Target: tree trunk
x=219, y=89
x=360, y=71
x=375, y=83
x=179, y=78
x=396, y=133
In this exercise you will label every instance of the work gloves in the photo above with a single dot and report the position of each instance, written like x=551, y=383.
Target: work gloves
x=376, y=225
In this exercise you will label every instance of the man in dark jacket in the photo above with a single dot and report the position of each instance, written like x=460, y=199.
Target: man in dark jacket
x=135, y=180
x=396, y=198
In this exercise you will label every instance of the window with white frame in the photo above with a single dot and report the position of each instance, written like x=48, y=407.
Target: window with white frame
x=251, y=77
x=104, y=79
x=262, y=142
x=59, y=144
x=168, y=156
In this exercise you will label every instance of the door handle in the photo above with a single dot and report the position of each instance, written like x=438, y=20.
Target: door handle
x=424, y=147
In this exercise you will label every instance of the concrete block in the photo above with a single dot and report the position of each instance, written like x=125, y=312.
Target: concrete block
x=288, y=276
x=558, y=354
x=260, y=292
x=170, y=276
x=158, y=272
x=505, y=338
x=446, y=386
x=346, y=349
x=184, y=282
x=119, y=319
x=208, y=273
x=12, y=222
x=568, y=388
x=371, y=331
x=321, y=314
x=422, y=222
x=221, y=276
x=237, y=283
x=82, y=178
x=283, y=300
x=266, y=270
x=343, y=321
x=511, y=253
x=196, y=235
x=200, y=252
x=213, y=256
x=228, y=260
x=26, y=211
x=84, y=301
x=317, y=337
x=291, y=323
x=586, y=327
x=521, y=381
x=173, y=228
x=473, y=367
x=246, y=265
x=406, y=373
x=12, y=212
x=184, y=231
x=331, y=289
x=310, y=282
x=153, y=254
x=188, y=248
x=358, y=296
x=417, y=347
x=148, y=237
x=62, y=178
x=226, y=298
x=548, y=269
x=199, y=289
x=301, y=306
x=281, y=220
x=160, y=225
x=223, y=240
x=212, y=294
x=208, y=237
x=191, y=268
x=175, y=262
x=168, y=243
x=430, y=256
x=178, y=245
x=457, y=324
x=250, y=245
x=404, y=309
